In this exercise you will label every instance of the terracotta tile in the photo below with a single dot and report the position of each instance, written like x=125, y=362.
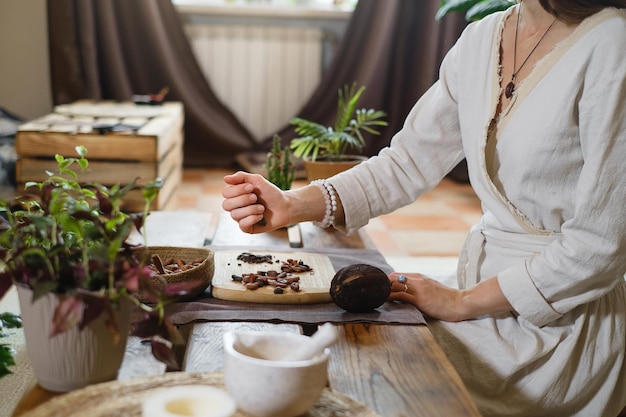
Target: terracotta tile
x=189, y=202
x=438, y=243
x=432, y=207
x=386, y=243
x=193, y=175
x=212, y=188
x=376, y=224
x=433, y=223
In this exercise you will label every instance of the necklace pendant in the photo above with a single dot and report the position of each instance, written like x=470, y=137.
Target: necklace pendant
x=509, y=89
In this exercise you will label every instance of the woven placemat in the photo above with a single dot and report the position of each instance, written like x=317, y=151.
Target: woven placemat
x=124, y=398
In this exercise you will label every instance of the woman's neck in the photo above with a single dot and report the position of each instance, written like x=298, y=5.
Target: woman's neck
x=534, y=18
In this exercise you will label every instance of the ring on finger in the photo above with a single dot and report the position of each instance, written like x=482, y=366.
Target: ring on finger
x=406, y=288
x=402, y=279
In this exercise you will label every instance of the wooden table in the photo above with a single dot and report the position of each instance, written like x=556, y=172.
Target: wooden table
x=396, y=370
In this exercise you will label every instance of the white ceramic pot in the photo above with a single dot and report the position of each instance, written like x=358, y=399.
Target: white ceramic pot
x=264, y=385
x=73, y=359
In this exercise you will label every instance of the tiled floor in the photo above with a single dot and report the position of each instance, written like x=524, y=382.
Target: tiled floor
x=434, y=226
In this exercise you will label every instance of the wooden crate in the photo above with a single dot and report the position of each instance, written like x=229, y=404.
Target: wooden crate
x=146, y=142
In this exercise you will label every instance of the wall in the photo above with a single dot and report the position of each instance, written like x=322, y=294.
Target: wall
x=24, y=68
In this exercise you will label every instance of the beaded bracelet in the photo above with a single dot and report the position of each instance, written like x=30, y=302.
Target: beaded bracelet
x=330, y=199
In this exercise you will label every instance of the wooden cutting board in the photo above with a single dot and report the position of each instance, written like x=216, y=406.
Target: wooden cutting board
x=314, y=285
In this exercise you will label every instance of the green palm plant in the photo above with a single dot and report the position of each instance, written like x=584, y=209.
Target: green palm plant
x=331, y=142
x=473, y=9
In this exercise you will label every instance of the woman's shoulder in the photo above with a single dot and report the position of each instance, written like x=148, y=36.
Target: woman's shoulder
x=597, y=52
x=597, y=42
x=609, y=13
x=486, y=26
x=478, y=36
x=608, y=24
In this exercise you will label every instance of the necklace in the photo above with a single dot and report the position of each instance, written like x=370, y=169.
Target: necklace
x=510, y=87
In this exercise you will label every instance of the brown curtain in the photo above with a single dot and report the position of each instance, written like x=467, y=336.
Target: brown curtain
x=394, y=48
x=113, y=49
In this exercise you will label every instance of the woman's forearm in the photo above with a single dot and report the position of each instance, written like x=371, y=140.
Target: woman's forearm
x=308, y=204
x=485, y=298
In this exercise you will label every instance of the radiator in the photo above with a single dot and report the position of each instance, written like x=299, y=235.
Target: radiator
x=264, y=74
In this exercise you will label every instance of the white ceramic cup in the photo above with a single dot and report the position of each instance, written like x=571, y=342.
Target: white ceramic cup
x=188, y=401
x=262, y=384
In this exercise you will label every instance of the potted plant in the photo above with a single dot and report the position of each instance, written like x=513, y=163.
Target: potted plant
x=280, y=168
x=473, y=9
x=329, y=144
x=65, y=248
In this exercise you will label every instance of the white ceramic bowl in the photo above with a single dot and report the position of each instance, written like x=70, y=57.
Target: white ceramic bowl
x=263, y=384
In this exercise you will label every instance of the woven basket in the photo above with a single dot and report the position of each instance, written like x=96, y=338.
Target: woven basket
x=202, y=273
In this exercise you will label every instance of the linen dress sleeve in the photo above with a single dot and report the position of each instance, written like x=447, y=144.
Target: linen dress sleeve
x=426, y=148
x=589, y=258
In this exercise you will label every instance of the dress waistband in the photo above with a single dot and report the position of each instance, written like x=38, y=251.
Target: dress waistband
x=468, y=268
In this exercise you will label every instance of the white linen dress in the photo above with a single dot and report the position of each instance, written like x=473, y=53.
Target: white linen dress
x=550, y=171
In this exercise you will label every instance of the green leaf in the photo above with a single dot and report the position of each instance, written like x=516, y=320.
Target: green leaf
x=11, y=320
x=151, y=190
x=473, y=9
x=346, y=105
x=486, y=8
x=65, y=163
x=449, y=6
x=81, y=151
x=6, y=360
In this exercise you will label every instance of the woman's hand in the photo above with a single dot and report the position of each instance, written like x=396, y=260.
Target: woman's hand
x=431, y=297
x=438, y=301
x=254, y=202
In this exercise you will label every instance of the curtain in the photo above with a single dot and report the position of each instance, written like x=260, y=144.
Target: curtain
x=112, y=49
x=115, y=48
x=394, y=48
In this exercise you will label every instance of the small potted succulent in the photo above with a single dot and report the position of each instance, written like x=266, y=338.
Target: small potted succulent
x=327, y=147
x=65, y=249
x=280, y=168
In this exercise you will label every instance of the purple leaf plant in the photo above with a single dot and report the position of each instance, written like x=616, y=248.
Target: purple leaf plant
x=70, y=239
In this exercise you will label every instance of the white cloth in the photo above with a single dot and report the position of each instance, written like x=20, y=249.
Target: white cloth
x=553, y=192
